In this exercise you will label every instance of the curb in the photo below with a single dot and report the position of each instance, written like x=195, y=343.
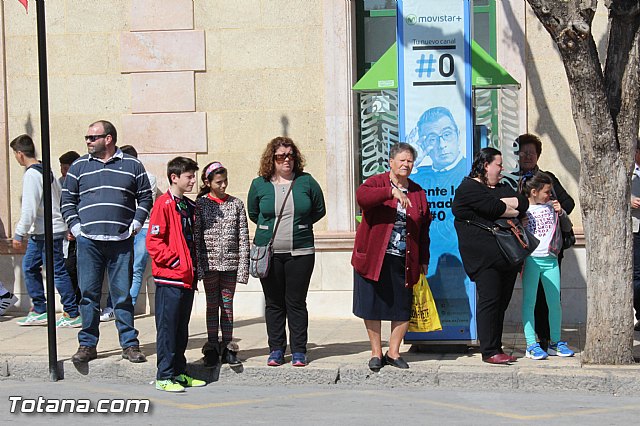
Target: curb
x=609, y=380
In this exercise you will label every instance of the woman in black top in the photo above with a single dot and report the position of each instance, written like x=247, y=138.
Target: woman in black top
x=482, y=198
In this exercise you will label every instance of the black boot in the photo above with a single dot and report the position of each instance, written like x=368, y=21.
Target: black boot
x=230, y=355
x=211, y=354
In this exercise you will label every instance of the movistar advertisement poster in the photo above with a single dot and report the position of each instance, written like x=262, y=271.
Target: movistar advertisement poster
x=434, y=87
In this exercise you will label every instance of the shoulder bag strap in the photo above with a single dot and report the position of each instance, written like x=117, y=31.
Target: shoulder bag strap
x=480, y=225
x=275, y=229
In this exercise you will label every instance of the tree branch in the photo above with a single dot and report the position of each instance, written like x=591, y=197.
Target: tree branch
x=566, y=23
x=627, y=119
x=580, y=58
x=624, y=21
x=623, y=9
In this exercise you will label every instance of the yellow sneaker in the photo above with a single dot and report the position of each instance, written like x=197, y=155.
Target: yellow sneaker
x=189, y=382
x=169, y=386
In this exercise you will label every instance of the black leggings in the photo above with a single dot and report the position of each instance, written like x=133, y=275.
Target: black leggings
x=495, y=287
x=285, y=293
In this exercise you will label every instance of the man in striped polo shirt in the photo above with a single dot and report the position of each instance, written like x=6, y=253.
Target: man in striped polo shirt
x=98, y=203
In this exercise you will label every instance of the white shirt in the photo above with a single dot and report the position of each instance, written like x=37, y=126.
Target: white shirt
x=542, y=224
x=32, y=212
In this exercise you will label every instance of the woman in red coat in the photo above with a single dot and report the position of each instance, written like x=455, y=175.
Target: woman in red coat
x=390, y=251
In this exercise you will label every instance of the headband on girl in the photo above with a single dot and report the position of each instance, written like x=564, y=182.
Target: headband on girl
x=213, y=167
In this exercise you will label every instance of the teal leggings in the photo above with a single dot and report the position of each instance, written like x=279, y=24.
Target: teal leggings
x=547, y=270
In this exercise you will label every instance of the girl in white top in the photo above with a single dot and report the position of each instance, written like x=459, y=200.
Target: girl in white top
x=543, y=220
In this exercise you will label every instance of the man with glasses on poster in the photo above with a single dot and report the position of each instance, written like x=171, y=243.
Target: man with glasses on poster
x=441, y=166
x=436, y=136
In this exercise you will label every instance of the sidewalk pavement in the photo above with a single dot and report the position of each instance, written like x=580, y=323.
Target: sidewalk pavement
x=338, y=353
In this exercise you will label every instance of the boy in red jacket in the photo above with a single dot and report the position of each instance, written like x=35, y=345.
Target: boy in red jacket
x=171, y=248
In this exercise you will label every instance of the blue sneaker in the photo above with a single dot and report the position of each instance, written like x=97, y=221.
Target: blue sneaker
x=535, y=352
x=560, y=349
x=298, y=359
x=276, y=358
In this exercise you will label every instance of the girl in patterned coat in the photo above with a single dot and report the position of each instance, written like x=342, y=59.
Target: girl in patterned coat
x=222, y=247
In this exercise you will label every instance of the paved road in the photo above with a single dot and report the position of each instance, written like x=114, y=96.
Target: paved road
x=320, y=405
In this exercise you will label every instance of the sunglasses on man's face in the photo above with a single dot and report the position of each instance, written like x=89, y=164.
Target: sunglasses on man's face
x=93, y=138
x=281, y=157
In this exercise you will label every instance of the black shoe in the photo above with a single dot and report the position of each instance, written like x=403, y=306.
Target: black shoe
x=133, y=354
x=398, y=362
x=637, y=326
x=375, y=364
x=211, y=354
x=544, y=343
x=84, y=354
x=230, y=357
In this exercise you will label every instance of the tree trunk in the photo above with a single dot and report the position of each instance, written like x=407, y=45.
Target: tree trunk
x=604, y=132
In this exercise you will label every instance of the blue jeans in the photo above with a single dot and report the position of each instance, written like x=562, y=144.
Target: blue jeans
x=140, y=257
x=32, y=264
x=94, y=257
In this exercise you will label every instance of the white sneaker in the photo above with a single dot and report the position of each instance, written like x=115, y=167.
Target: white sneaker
x=7, y=301
x=107, y=314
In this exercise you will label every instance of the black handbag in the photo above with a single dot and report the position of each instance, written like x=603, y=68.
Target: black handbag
x=568, y=239
x=514, y=240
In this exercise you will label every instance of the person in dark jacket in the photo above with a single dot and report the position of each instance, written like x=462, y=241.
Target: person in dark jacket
x=482, y=198
x=390, y=251
x=285, y=287
x=530, y=149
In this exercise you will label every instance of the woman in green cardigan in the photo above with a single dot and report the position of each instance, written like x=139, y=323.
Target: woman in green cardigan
x=285, y=288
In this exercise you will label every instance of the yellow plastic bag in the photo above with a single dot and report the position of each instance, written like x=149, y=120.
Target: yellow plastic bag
x=424, y=315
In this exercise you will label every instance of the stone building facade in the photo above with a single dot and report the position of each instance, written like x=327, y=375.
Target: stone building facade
x=216, y=80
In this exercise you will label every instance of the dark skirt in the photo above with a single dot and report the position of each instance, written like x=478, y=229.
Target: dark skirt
x=387, y=299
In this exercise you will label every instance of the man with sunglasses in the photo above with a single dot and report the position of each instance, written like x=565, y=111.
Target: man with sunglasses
x=105, y=200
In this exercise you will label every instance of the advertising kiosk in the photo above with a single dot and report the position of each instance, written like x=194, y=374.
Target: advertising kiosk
x=423, y=91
